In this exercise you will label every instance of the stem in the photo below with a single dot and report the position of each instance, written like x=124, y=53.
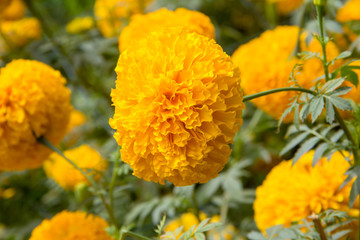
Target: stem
x=318, y=226
x=320, y=17
x=124, y=233
x=113, y=181
x=271, y=91
x=195, y=203
x=98, y=191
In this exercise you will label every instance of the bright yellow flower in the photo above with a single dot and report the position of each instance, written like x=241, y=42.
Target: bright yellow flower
x=20, y=32
x=349, y=12
x=3, y=5
x=286, y=6
x=291, y=193
x=33, y=102
x=66, y=175
x=77, y=119
x=266, y=63
x=72, y=226
x=141, y=25
x=80, y=24
x=14, y=10
x=178, y=105
x=187, y=220
x=111, y=13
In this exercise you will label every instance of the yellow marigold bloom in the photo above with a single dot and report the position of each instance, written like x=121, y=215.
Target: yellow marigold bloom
x=3, y=5
x=349, y=12
x=33, y=102
x=141, y=25
x=77, y=119
x=178, y=105
x=66, y=175
x=72, y=226
x=187, y=220
x=20, y=32
x=291, y=193
x=111, y=13
x=266, y=63
x=80, y=24
x=14, y=10
x=286, y=6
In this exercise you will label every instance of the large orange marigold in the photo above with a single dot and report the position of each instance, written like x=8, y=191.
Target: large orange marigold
x=291, y=193
x=267, y=62
x=178, y=105
x=72, y=226
x=141, y=25
x=33, y=102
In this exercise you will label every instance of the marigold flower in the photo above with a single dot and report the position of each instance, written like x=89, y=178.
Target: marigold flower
x=349, y=12
x=259, y=73
x=77, y=119
x=33, y=102
x=178, y=105
x=80, y=24
x=286, y=6
x=13, y=10
x=72, y=226
x=16, y=34
x=292, y=193
x=141, y=25
x=66, y=175
x=111, y=13
x=187, y=220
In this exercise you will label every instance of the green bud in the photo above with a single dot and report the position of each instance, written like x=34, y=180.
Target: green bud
x=319, y=2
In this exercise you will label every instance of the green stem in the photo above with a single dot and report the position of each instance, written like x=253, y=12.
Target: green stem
x=319, y=228
x=195, y=204
x=124, y=233
x=113, y=181
x=98, y=192
x=320, y=17
x=271, y=91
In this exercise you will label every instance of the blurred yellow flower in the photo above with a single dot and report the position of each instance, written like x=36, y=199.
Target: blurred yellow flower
x=33, y=102
x=178, y=105
x=66, y=175
x=286, y=6
x=72, y=226
x=141, y=25
x=20, y=32
x=291, y=193
x=77, y=119
x=80, y=24
x=7, y=193
x=349, y=12
x=110, y=14
x=267, y=62
x=13, y=10
x=187, y=220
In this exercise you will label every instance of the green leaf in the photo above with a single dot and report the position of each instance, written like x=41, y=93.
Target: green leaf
x=347, y=73
x=332, y=85
x=340, y=103
x=199, y=236
x=319, y=151
x=355, y=191
x=294, y=142
x=305, y=147
x=210, y=226
x=341, y=91
x=330, y=112
x=287, y=111
x=316, y=107
x=256, y=236
x=305, y=110
x=337, y=135
x=344, y=54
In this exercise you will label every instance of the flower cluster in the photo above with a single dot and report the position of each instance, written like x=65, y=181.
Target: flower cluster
x=12, y=10
x=349, y=12
x=141, y=25
x=178, y=105
x=260, y=73
x=66, y=175
x=111, y=13
x=33, y=102
x=80, y=24
x=307, y=190
x=72, y=226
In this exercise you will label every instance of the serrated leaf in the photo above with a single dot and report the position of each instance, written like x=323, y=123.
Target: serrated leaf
x=340, y=103
x=337, y=135
x=330, y=112
x=316, y=107
x=347, y=73
x=305, y=147
x=305, y=110
x=256, y=236
x=294, y=142
x=292, y=129
x=199, y=236
x=355, y=191
x=340, y=234
x=344, y=54
x=202, y=224
x=286, y=112
x=211, y=226
x=332, y=85
x=341, y=91
x=287, y=233
x=272, y=231
x=319, y=151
